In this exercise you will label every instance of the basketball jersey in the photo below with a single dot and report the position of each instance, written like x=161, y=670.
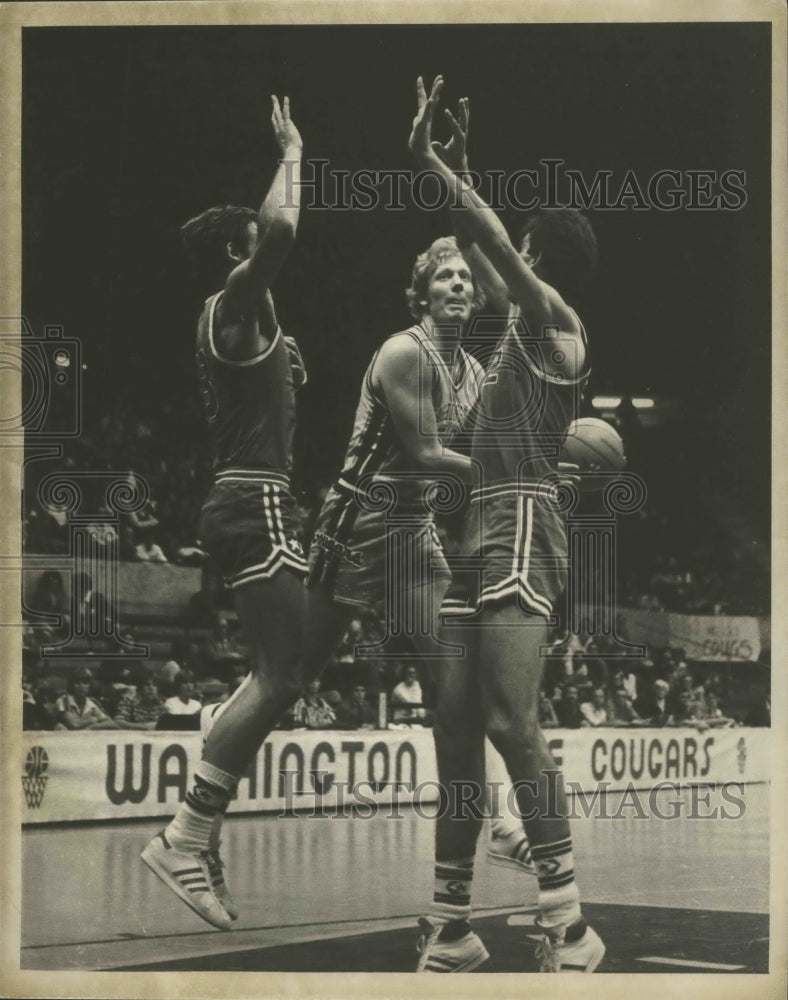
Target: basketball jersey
x=375, y=453
x=523, y=411
x=250, y=405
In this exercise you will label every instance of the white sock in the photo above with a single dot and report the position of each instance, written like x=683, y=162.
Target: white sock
x=191, y=828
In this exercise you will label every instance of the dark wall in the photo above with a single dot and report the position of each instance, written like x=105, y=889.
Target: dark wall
x=128, y=132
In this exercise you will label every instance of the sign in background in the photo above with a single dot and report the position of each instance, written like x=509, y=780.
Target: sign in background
x=108, y=775
x=145, y=588
x=703, y=637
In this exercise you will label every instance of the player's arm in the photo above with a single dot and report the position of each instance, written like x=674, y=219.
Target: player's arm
x=405, y=380
x=246, y=312
x=454, y=154
x=541, y=304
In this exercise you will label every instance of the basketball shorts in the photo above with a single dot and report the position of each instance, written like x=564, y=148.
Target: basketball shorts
x=366, y=558
x=250, y=528
x=514, y=549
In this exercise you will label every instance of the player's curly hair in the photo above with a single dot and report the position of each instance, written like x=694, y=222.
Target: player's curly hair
x=566, y=245
x=205, y=237
x=426, y=265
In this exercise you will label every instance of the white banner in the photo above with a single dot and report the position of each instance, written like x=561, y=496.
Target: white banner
x=113, y=775
x=703, y=637
x=616, y=759
x=110, y=775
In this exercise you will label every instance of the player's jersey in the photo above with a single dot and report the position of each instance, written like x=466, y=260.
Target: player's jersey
x=250, y=405
x=375, y=453
x=523, y=412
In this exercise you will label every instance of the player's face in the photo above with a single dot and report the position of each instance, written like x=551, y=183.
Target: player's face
x=450, y=292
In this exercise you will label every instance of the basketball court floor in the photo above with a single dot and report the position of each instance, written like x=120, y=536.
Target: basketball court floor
x=342, y=893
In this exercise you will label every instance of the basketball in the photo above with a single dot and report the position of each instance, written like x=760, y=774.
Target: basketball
x=594, y=445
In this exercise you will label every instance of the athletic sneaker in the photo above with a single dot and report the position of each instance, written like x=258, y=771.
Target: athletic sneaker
x=222, y=893
x=512, y=851
x=458, y=955
x=189, y=877
x=577, y=948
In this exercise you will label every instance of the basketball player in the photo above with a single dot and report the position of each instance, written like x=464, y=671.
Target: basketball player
x=248, y=371
x=526, y=404
x=375, y=539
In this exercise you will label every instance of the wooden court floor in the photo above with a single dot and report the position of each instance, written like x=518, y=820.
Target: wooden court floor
x=682, y=895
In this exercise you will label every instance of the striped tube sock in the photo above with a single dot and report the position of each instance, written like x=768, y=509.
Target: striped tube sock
x=215, y=835
x=559, y=900
x=451, y=898
x=190, y=831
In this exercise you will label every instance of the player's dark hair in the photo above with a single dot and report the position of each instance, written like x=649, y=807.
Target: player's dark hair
x=566, y=245
x=426, y=265
x=205, y=238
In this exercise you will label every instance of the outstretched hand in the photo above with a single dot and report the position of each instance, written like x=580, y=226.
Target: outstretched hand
x=419, y=142
x=454, y=152
x=287, y=135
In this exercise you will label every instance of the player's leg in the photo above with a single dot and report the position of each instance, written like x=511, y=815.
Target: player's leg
x=326, y=622
x=509, y=651
x=271, y=616
x=509, y=847
x=448, y=944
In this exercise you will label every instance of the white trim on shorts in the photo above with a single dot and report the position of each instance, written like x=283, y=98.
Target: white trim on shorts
x=517, y=583
x=252, y=476
x=280, y=557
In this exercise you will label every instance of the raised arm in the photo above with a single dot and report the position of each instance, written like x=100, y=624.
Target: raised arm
x=454, y=154
x=246, y=310
x=541, y=304
x=406, y=382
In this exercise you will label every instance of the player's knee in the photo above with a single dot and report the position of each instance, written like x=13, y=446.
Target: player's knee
x=513, y=735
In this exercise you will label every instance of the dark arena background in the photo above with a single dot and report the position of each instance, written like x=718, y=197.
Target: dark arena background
x=128, y=132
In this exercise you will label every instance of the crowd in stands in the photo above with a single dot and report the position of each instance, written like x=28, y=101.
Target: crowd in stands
x=712, y=576
x=670, y=556
x=665, y=561
x=581, y=688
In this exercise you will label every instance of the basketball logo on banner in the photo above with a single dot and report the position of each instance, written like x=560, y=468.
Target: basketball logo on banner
x=34, y=780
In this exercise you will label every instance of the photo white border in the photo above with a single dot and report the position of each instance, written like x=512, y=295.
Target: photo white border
x=16, y=983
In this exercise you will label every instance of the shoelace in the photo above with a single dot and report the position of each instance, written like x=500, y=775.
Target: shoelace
x=215, y=866
x=547, y=954
x=429, y=934
x=547, y=950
